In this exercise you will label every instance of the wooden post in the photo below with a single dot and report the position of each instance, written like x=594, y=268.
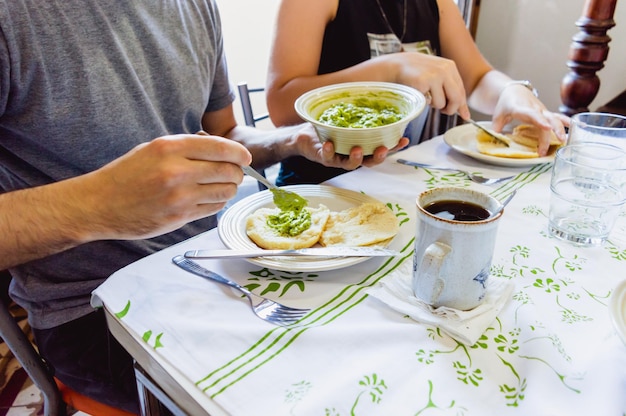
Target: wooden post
x=588, y=51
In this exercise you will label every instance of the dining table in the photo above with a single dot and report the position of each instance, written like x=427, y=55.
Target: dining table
x=548, y=342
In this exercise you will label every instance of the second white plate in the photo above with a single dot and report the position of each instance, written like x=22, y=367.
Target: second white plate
x=617, y=309
x=232, y=225
x=463, y=139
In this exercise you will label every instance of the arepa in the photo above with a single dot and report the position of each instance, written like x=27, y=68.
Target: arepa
x=367, y=224
x=523, y=144
x=269, y=238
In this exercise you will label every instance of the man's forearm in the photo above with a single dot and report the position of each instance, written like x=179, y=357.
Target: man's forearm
x=267, y=146
x=35, y=223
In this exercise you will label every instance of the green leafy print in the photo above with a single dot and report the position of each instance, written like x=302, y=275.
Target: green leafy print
x=468, y=375
x=556, y=343
x=521, y=255
x=562, y=377
x=601, y=299
x=278, y=282
x=523, y=299
x=426, y=357
x=432, y=405
x=513, y=394
x=615, y=252
x=533, y=210
x=401, y=214
x=124, y=311
x=549, y=285
x=297, y=392
x=439, y=178
x=434, y=332
x=573, y=264
x=507, y=344
x=570, y=316
x=554, y=279
x=147, y=336
x=506, y=347
x=373, y=386
x=482, y=342
x=465, y=372
x=519, y=269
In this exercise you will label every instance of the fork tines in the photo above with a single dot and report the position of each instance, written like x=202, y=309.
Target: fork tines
x=279, y=314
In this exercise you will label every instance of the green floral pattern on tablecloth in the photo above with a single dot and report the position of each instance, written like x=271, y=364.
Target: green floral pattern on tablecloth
x=553, y=279
x=496, y=365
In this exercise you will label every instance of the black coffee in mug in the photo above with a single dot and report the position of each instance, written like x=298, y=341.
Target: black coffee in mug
x=457, y=210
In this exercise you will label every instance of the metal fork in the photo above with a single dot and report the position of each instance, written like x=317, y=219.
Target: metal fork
x=264, y=308
x=476, y=178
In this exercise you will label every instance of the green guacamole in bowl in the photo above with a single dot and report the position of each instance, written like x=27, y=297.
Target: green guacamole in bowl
x=362, y=113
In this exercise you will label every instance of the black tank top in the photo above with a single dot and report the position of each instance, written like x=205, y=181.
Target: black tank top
x=345, y=39
x=346, y=43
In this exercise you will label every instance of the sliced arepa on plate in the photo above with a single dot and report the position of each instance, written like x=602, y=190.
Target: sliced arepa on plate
x=367, y=224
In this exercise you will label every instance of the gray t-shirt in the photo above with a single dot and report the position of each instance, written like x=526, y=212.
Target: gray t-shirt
x=81, y=83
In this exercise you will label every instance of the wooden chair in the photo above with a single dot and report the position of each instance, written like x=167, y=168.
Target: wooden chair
x=588, y=52
x=57, y=396
x=249, y=116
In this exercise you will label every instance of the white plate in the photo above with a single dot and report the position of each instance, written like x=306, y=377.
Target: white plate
x=232, y=226
x=618, y=309
x=463, y=139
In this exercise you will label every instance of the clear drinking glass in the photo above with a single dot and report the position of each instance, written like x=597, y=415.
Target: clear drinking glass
x=588, y=190
x=598, y=128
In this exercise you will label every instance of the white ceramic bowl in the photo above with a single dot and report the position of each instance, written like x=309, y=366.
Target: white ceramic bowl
x=407, y=100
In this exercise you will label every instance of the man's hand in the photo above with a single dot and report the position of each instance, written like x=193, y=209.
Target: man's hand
x=155, y=188
x=161, y=185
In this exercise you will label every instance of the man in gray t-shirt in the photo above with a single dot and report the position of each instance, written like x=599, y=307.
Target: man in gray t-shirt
x=100, y=163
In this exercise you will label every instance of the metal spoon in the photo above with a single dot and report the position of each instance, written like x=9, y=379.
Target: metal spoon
x=474, y=177
x=504, y=203
x=284, y=200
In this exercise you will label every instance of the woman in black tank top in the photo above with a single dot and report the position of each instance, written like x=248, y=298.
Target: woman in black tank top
x=421, y=43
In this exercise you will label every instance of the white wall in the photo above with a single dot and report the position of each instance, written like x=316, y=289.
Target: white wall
x=248, y=28
x=530, y=39
x=527, y=39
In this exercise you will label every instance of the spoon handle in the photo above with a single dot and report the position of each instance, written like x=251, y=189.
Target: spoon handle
x=424, y=165
x=249, y=170
x=505, y=202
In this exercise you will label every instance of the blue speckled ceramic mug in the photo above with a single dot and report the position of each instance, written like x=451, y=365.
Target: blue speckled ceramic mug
x=456, y=236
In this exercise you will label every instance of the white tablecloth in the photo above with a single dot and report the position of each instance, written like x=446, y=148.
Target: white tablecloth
x=551, y=351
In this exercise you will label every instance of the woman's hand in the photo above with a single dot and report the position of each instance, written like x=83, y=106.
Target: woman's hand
x=517, y=102
x=436, y=77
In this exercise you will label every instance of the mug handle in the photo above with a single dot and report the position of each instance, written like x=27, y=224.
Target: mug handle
x=429, y=271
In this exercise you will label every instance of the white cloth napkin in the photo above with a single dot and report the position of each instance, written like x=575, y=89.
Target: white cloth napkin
x=465, y=326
